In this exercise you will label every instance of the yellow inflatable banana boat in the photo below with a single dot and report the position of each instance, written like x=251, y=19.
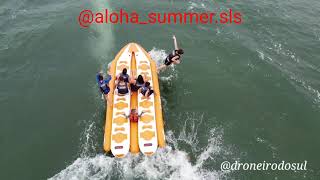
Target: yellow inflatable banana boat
x=121, y=135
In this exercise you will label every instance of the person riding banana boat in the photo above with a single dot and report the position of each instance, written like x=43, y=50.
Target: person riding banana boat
x=103, y=84
x=133, y=121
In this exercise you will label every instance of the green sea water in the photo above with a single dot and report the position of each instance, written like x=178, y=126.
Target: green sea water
x=247, y=93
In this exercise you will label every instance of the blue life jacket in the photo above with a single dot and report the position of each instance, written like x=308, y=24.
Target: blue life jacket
x=103, y=84
x=104, y=87
x=123, y=88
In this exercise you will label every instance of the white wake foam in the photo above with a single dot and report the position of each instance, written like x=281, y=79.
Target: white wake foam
x=172, y=162
x=159, y=56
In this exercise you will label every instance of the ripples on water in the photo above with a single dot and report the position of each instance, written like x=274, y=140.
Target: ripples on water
x=184, y=157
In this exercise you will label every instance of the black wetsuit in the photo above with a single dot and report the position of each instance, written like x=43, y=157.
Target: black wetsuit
x=169, y=58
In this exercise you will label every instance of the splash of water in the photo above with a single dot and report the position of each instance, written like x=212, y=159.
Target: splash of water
x=171, y=162
x=159, y=55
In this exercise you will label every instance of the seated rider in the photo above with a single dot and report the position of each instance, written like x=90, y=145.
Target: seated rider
x=103, y=84
x=134, y=116
x=174, y=57
x=137, y=83
x=124, y=75
x=146, y=90
x=122, y=87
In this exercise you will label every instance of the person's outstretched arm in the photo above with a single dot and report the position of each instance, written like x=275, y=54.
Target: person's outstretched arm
x=141, y=114
x=175, y=42
x=127, y=116
x=109, y=100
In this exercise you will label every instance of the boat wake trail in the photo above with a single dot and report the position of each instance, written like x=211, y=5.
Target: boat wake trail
x=101, y=39
x=172, y=162
x=299, y=79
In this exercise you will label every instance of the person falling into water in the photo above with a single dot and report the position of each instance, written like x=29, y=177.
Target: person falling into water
x=174, y=57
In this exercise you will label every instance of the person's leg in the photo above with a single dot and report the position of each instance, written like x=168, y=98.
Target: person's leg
x=176, y=62
x=150, y=92
x=163, y=66
x=106, y=98
x=144, y=94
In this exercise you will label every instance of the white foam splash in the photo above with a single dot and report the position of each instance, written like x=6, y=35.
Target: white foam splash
x=168, y=163
x=159, y=56
x=198, y=5
x=314, y=92
x=261, y=55
x=87, y=140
